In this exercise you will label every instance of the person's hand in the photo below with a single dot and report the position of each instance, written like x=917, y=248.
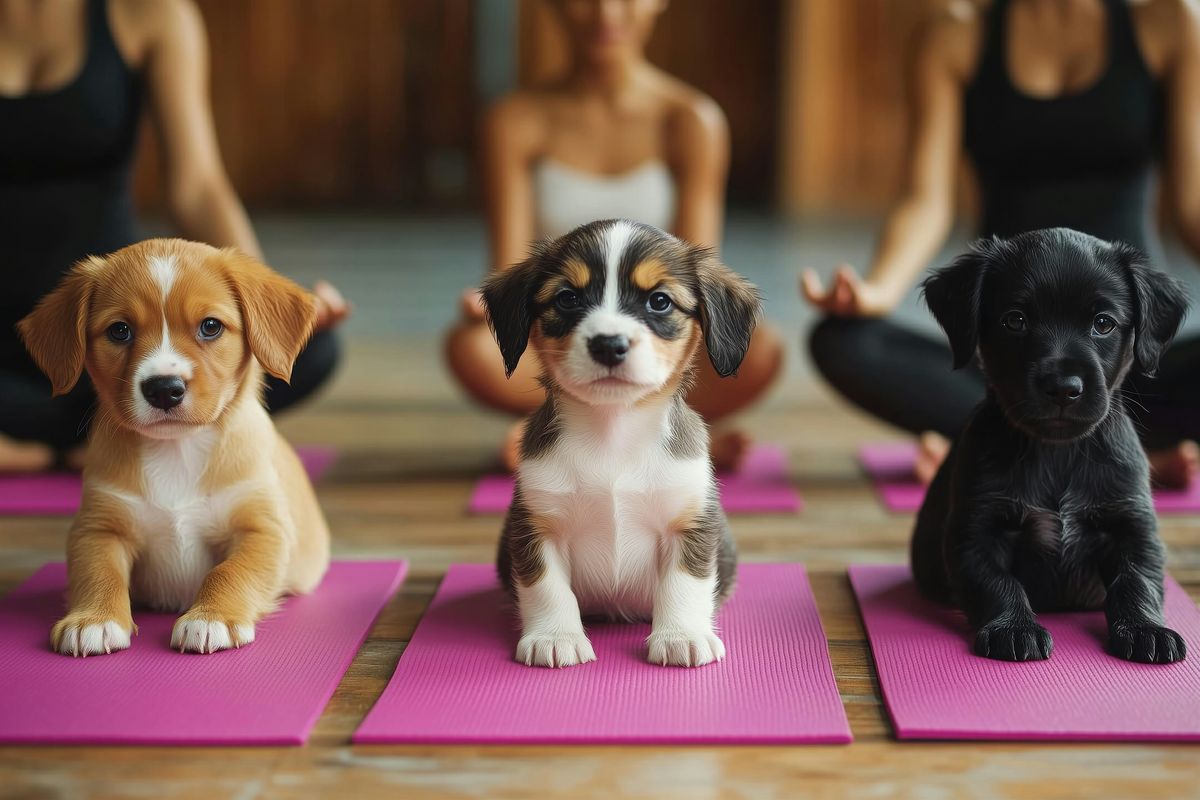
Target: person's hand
x=332, y=308
x=847, y=296
x=472, y=306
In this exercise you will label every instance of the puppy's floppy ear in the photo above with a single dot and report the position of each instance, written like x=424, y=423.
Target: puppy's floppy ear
x=278, y=314
x=729, y=310
x=55, y=332
x=954, y=294
x=508, y=296
x=1161, y=301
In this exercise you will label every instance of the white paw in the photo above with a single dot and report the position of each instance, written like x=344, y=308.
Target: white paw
x=684, y=649
x=200, y=634
x=82, y=637
x=555, y=649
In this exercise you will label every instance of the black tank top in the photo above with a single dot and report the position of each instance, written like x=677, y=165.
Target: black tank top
x=65, y=164
x=1082, y=160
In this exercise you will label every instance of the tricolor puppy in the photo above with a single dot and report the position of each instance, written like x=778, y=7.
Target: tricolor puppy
x=192, y=501
x=616, y=513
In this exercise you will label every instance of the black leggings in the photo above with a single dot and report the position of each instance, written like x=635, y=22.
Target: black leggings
x=28, y=413
x=907, y=379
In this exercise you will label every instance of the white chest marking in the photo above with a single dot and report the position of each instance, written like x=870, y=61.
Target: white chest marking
x=610, y=492
x=176, y=522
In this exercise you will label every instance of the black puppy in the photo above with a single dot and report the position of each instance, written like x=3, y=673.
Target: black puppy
x=1044, y=501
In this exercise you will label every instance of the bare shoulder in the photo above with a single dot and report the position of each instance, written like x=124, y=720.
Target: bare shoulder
x=518, y=120
x=950, y=37
x=1164, y=29
x=140, y=26
x=693, y=119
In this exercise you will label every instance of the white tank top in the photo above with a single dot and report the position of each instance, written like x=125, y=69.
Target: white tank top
x=565, y=198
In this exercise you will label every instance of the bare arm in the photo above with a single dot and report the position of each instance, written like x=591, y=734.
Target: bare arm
x=918, y=225
x=1183, y=126
x=699, y=137
x=200, y=199
x=509, y=137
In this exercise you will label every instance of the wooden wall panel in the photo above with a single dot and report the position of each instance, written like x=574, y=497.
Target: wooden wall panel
x=334, y=103
x=844, y=102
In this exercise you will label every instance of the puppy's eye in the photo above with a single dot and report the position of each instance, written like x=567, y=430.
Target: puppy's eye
x=1103, y=324
x=659, y=302
x=120, y=332
x=566, y=300
x=211, y=328
x=1013, y=321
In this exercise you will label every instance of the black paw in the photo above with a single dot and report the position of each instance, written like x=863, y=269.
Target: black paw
x=1013, y=641
x=1149, y=644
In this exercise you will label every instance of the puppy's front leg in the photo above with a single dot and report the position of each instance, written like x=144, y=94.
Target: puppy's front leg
x=552, y=632
x=242, y=588
x=1132, y=569
x=99, y=559
x=994, y=600
x=686, y=597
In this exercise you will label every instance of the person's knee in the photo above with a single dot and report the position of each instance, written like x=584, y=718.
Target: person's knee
x=842, y=345
x=318, y=360
x=312, y=370
x=763, y=361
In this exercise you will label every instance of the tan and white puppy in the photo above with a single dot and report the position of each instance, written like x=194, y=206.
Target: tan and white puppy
x=616, y=512
x=192, y=501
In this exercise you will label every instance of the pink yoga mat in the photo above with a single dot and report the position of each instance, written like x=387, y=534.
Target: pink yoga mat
x=761, y=486
x=269, y=692
x=890, y=466
x=53, y=494
x=936, y=688
x=457, y=682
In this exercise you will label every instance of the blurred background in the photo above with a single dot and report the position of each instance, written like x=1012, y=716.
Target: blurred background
x=350, y=131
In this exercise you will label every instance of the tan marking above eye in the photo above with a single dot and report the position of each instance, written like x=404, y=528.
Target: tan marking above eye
x=575, y=275
x=651, y=274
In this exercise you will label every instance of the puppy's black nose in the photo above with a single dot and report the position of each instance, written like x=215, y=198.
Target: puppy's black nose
x=1063, y=389
x=164, y=391
x=608, y=350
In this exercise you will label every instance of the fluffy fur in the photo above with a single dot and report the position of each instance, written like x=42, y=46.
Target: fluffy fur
x=192, y=501
x=1044, y=501
x=616, y=512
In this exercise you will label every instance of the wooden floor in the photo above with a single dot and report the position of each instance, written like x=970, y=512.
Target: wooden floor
x=410, y=451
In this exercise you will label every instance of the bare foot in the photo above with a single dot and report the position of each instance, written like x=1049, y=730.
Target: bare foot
x=932, y=449
x=24, y=456
x=510, y=454
x=1175, y=467
x=728, y=449
x=332, y=308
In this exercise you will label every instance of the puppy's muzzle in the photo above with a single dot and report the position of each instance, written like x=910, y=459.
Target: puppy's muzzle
x=1063, y=390
x=608, y=350
x=164, y=391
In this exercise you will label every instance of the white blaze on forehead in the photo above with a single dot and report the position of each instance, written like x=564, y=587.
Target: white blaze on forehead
x=164, y=359
x=616, y=241
x=163, y=270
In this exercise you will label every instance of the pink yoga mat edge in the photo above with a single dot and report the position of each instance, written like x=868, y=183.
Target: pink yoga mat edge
x=379, y=595
x=395, y=721
x=906, y=728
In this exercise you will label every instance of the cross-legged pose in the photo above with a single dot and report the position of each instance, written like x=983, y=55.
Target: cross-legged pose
x=74, y=76
x=1065, y=111
x=614, y=137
